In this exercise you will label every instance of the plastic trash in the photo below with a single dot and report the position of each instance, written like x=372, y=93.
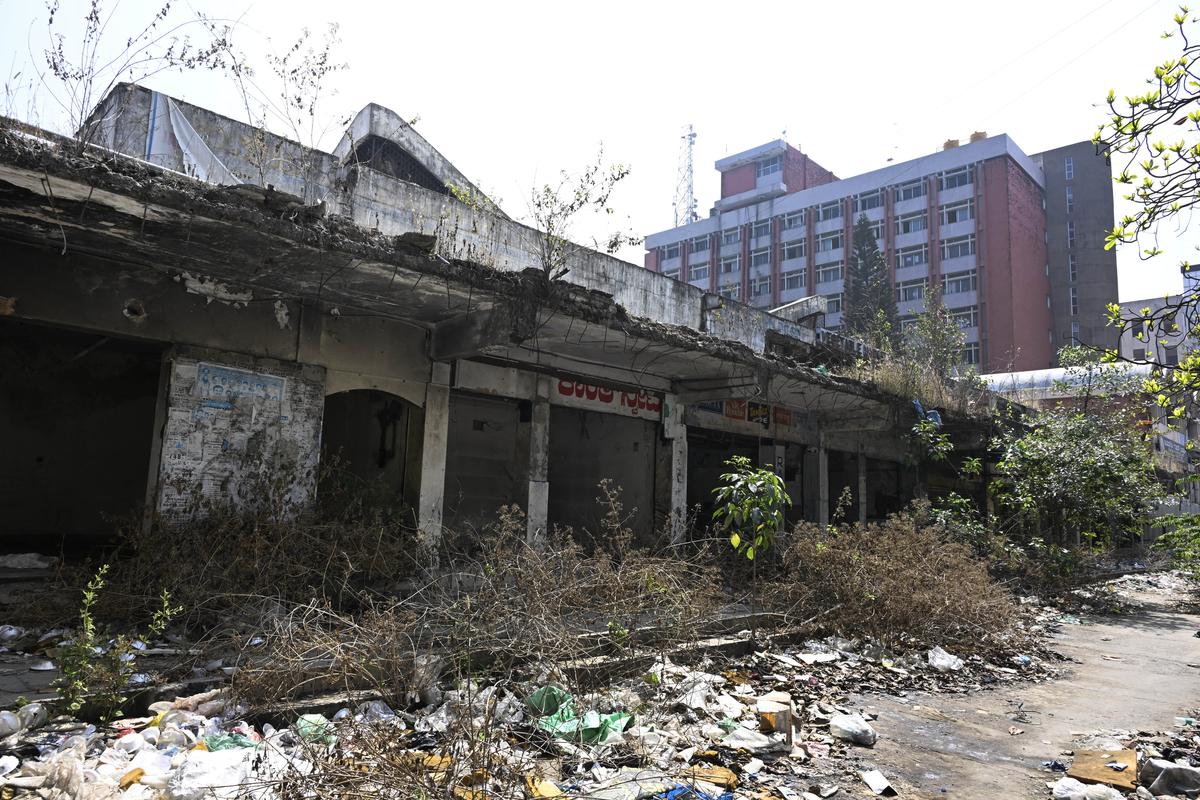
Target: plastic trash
x=1166, y=777
x=547, y=700
x=742, y=739
x=942, y=661
x=315, y=728
x=1022, y=661
x=227, y=741
x=205, y=775
x=852, y=728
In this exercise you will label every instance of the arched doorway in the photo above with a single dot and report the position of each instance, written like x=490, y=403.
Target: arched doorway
x=371, y=447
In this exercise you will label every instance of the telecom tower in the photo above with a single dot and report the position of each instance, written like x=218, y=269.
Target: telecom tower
x=685, y=194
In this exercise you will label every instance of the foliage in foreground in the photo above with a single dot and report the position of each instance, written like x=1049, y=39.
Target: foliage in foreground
x=749, y=506
x=98, y=669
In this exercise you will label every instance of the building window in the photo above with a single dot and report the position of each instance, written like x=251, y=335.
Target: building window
x=672, y=273
x=1070, y=199
x=1073, y=266
x=760, y=286
x=1075, y=332
x=907, y=291
x=865, y=202
x=760, y=258
x=965, y=317
x=1171, y=355
x=731, y=290
x=794, y=251
x=912, y=223
x=910, y=191
x=1074, y=302
x=827, y=242
x=699, y=244
x=731, y=236
x=877, y=230
x=915, y=256
x=833, y=303
x=831, y=210
x=953, y=178
x=793, y=219
x=959, y=282
x=761, y=229
x=730, y=264
x=958, y=247
x=1070, y=233
x=1139, y=354
x=769, y=166
x=671, y=251
x=970, y=353
x=699, y=273
x=1069, y=168
x=829, y=274
x=792, y=280
x=958, y=212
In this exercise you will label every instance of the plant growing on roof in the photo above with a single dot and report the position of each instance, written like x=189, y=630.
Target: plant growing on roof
x=750, y=503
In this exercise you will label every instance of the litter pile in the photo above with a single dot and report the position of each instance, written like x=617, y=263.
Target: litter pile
x=775, y=723
x=1118, y=764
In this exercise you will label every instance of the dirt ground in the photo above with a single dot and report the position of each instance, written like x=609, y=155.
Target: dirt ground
x=1132, y=672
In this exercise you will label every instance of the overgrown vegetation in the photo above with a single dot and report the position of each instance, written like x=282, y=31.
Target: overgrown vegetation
x=906, y=576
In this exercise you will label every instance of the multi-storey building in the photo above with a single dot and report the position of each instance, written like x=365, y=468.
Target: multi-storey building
x=1079, y=215
x=970, y=219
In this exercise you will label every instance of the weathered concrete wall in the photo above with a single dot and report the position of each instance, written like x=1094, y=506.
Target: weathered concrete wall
x=587, y=447
x=483, y=459
x=232, y=418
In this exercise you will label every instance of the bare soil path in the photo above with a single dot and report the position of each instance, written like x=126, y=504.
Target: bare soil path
x=1136, y=671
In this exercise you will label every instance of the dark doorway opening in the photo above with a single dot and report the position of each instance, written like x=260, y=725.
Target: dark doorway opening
x=77, y=416
x=371, y=448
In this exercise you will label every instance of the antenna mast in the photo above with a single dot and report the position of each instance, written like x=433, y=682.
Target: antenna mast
x=685, y=194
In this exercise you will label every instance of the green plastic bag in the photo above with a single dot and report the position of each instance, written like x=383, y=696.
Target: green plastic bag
x=547, y=700
x=315, y=728
x=228, y=741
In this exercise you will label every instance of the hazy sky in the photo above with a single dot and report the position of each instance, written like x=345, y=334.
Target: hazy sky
x=514, y=92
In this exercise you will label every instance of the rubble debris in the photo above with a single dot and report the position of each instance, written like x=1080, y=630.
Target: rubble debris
x=1092, y=766
x=878, y=784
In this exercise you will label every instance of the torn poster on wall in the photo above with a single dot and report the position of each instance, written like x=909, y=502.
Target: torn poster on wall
x=226, y=424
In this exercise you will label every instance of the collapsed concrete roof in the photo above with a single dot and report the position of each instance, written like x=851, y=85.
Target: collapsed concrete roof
x=55, y=193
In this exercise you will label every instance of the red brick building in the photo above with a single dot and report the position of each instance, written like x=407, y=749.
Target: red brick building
x=971, y=217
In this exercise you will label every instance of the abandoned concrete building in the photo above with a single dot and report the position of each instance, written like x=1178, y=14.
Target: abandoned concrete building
x=185, y=296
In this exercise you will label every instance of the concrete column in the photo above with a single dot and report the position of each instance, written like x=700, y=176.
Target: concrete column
x=816, y=484
x=675, y=431
x=538, y=510
x=862, y=486
x=823, y=485
x=433, y=456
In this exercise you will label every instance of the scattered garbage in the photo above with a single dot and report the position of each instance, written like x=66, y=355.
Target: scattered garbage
x=1106, y=767
x=852, y=728
x=942, y=661
x=1164, y=777
x=878, y=784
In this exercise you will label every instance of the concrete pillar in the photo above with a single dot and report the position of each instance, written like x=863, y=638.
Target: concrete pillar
x=433, y=456
x=862, y=486
x=823, y=485
x=675, y=431
x=538, y=505
x=816, y=484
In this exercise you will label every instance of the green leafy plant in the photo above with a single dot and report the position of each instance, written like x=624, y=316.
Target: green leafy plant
x=750, y=503
x=90, y=670
x=934, y=445
x=1181, y=541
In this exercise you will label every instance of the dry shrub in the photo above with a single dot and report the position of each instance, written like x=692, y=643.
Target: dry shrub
x=509, y=606
x=218, y=561
x=901, y=577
